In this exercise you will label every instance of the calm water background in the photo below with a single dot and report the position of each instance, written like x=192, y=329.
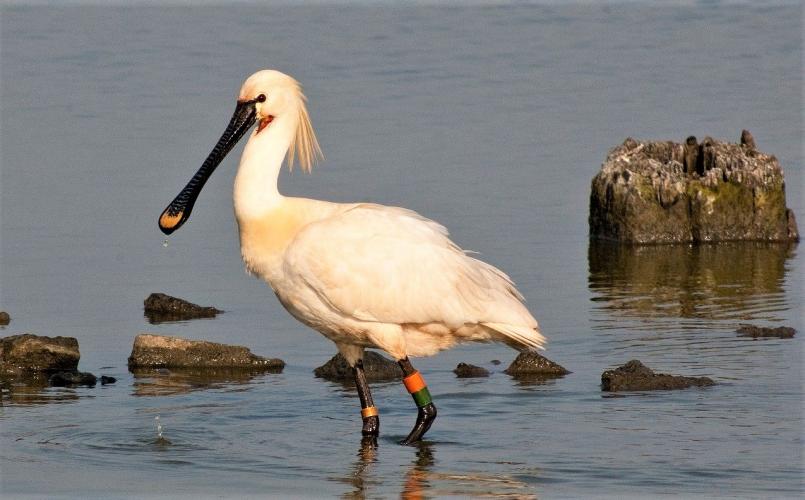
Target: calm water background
x=490, y=119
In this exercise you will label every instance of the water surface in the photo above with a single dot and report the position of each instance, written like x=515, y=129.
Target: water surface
x=491, y=119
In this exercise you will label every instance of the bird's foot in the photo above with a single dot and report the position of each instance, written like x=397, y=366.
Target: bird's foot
x=424, y=419
x=371, y=426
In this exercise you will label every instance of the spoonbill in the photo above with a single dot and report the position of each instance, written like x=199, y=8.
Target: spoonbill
x=362, y=274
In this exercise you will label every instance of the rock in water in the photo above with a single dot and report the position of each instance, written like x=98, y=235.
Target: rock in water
x=160, y=351
x=71, y=378
x=781, y=332
x=35, y=353
x=377, y=368
x=635, y=376
x=4, y=318
x=649, y=192
x=464, y=370
x=534, y=365
x=160, y=308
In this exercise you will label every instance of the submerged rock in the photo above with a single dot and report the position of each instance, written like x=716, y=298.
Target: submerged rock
x=666, y=192
x=635, y=376
x=105, y=379
x=161, y=351
x=532, y=364
x=376, y=367
x=35, y=353
x=4, y=318
x=71, y=378
x=464, y=370
x=160, y=308
x=781, y=332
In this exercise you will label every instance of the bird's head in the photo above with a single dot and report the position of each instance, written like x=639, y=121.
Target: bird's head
x=272, y=94
x=265, y=97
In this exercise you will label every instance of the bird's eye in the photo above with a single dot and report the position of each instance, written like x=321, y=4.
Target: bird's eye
x=261, y=98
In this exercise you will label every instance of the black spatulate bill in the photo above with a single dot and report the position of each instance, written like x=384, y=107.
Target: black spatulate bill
x=179, y=209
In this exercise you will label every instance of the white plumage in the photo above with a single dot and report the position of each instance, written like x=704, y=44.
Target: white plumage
x=372, y=266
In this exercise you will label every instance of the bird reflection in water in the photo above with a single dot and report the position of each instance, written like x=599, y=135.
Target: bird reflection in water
x=422, y=480
x=416, y=481
x=360, y=478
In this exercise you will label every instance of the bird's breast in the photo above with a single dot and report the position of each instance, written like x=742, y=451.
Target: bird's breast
x=264, y=239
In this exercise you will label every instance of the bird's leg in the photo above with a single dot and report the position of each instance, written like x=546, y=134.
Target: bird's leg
x=419, y=391
x=371, y=420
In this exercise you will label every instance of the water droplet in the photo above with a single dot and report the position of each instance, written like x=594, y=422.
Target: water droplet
x=165, y=243
x=159, y=427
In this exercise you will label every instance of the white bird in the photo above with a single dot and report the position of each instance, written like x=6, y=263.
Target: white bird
x=362, y=274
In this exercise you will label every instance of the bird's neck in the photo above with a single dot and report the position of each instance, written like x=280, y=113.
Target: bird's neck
x=256, y=190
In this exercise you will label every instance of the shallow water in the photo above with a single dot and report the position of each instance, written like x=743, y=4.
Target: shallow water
x=489, y=119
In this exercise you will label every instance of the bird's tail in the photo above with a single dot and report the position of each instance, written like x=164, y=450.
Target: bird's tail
x=519, y=336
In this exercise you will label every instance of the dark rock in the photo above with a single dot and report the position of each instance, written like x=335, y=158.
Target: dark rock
x=533, y=364
x=495, y=362
x=107, y=380
x=376, y=367
x=707, y=155
x=793, y=232
x=691, y=155
x=645, y=193
x=747, y=140
x=160, y=308
x=4, y=318
x=781, y=332
x=635, y=376
x=71, y=378
x=464, y=370
x=35, y=353
x=160, y=351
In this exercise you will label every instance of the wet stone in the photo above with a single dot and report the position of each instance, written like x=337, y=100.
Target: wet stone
x=4, y=318
x=376, y=368
x=105, y=379
x=160, y=308
x=465, y=370
x=781, y=332
x=532, y=364
x=72, y=378
x=495, y=362
x=635, y=376
x=161, y=351
x=37, y=353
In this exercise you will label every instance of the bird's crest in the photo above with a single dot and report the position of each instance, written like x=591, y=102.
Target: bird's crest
x=304, y=148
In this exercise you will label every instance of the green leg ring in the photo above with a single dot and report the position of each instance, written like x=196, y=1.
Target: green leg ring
x=422, y=397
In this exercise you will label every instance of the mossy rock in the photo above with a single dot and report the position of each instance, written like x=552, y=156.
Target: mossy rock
x=647, y=193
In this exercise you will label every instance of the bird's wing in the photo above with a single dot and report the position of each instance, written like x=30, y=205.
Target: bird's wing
x=389, y=264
